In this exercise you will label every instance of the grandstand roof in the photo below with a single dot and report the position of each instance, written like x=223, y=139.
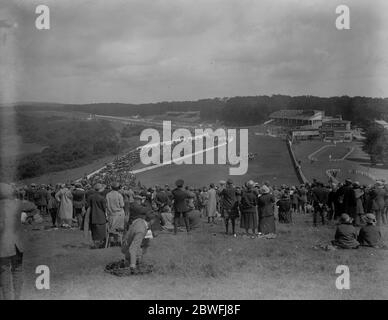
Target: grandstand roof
x=297, y=114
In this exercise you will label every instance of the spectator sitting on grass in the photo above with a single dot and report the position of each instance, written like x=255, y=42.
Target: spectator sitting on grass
x=346, y=234
x=370, y=235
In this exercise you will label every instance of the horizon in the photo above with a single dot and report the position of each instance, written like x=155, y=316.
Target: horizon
x=18, y=103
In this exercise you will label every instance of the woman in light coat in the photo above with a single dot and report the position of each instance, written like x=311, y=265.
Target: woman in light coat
x=65, y=199
x=211, y=204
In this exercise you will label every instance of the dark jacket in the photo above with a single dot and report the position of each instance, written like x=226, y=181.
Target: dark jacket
x=350, y=203
x=180, y=196
x=265, y=204
x=228, y=198
x=97, y=205
x=41, y=197
x=369, y=235
x=248, y=201
x=320, y=195
x=284, y=205
x=78, y=198
x=346, y=236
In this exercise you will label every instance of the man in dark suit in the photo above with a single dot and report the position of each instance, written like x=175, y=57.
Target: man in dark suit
x=180, y=205
x=320, y=197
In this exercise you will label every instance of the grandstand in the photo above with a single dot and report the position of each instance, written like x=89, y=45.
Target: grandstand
x=298, y=118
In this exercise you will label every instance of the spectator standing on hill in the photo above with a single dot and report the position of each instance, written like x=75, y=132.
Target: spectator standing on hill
x=30, y=192
x=41, y=199
x=294, y=199
x=333, y=202
x=229, y=206
x=65, y=200
x=358, y=193
x=52, y=205
x=97, y=216
x=180, y=205
x=377, y=195
x=211, y=204
x=350, y=204
x=161, y=199
x=79, y=203
x=265, y=204
x=320, y=199
x=11, y=241
x=284, y=205
x=302, y=199
x=115, y=211
x=248, y=206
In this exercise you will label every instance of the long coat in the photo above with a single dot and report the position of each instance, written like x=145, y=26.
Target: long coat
x=212, y=203
x=65, y=199
x=265, y=205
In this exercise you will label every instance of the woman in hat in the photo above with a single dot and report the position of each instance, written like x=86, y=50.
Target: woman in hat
x=370, y=234
x=266, y=213
x=65, y=200
x=346, y=234
x=248, y=208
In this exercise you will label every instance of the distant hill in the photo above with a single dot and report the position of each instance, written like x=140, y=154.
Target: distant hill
x=248, y=110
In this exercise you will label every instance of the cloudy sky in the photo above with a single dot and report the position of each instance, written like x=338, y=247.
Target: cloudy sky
x=163, y=50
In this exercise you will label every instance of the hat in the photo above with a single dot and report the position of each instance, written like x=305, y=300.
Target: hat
x=179, y=183
x=78, y=185
x=222, y=182
x=6, y=190
x=99, y=187
x=379, y=183
x=345, y=218
x=115, y=186
x=250, y=184
x=264, y=189
x=229, y=181
x=370, y=218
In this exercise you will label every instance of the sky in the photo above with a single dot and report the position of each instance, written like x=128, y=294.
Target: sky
x=137, y=51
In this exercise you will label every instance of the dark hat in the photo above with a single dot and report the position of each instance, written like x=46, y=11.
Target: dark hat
x=229, y=181
x=115, y=186
x=179, y=183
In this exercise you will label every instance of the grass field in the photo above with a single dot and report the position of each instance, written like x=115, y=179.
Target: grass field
x=209, y=265
x=355, y=161
x=336, y=152
x=272, y=163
